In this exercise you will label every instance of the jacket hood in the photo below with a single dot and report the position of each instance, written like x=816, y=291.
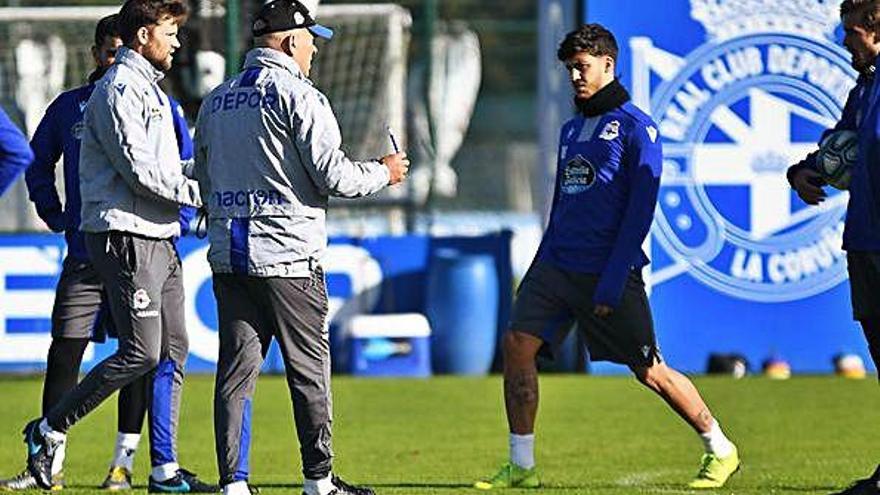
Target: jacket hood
x=269, y=57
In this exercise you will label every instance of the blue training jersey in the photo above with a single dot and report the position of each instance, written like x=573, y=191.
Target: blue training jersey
x=862, y=229
x=59, y=133
x=607, y=178
x=15, y=155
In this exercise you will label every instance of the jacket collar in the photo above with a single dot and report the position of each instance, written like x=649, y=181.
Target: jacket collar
x=268, y=57
x=136, y=62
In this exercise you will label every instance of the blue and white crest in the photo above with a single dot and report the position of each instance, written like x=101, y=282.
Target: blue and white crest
x=733, y=115
x=611, y=131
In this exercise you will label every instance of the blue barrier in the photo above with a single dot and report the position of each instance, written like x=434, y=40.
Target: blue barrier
x=461, y=306
x=377, y=275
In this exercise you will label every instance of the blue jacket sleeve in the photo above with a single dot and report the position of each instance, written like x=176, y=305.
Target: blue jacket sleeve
x=15, y=153
x=185, y=146
x=645, y=165
x=181, y=130
x=40, y=176
x=847, y=122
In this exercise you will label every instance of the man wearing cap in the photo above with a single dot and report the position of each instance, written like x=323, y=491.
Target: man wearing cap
x=267, y=159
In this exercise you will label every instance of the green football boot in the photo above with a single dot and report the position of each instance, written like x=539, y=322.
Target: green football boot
x=714, y=470
x=511, y=476
x=117, y=479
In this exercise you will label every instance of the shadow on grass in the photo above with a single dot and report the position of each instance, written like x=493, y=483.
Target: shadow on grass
x=377, y=485
x=641, y=488
x=732, y=488
x=801, y=489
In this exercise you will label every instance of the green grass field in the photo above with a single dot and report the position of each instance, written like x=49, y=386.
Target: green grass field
x=595, y=435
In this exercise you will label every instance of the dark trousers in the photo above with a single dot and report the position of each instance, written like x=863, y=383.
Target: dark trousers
x=253, y=311
x=144, y=285
x=76, y=316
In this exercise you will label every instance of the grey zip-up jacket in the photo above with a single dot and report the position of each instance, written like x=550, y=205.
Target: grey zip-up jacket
x=267, y=159
x=131, y=176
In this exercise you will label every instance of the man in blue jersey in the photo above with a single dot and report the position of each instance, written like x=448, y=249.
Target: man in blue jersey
x=78, y=315
x=15, y=154
x=861, y=234
x=588, y=267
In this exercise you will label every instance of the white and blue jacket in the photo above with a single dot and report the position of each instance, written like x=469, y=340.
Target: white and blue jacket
x=60, y=133
x=267, y=158
x=131, y=175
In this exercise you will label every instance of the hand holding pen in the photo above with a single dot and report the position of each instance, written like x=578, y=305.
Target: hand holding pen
x=398, y=165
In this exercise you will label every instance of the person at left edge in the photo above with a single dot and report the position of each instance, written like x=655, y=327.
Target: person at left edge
x=15, y=154
x=132, y=186
x=79, y=314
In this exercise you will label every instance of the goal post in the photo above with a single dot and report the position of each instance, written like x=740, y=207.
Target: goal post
x=363, y=72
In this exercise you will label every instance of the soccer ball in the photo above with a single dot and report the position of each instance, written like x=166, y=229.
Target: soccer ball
x=837, y=154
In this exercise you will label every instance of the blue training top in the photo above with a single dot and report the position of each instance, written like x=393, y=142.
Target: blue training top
x=862, y=230
x=59, y=134
x=607, y=178
x=860, y=114
x=15, y=154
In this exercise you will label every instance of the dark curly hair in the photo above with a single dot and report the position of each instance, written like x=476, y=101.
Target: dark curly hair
x=136, y=14
x=591, y=38
x=108, y=27
x=869, y=11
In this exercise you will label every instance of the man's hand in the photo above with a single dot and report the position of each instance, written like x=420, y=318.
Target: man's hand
x=602, y=311
x=398, y=166
x=805, y=183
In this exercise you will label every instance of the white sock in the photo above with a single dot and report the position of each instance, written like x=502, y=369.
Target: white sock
x=322, y=486
x=48, y=432
x=236, y=488
x=126, y=447
x=522, y=450
x=165, y=471
x=58, y=461
x=715, y=442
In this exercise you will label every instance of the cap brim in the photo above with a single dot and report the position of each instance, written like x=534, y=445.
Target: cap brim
x=321, y=31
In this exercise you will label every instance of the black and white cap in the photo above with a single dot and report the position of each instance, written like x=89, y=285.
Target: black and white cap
x=284, y=15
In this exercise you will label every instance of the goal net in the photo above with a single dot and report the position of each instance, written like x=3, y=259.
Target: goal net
x=43, y=52
x=363, y=73
x=363, y=70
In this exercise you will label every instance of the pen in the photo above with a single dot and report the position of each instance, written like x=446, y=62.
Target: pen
x=393, y=140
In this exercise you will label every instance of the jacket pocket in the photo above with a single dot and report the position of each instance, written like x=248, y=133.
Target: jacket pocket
x=122, y=247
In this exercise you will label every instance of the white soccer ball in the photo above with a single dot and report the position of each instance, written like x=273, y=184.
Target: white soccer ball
x=837, y=154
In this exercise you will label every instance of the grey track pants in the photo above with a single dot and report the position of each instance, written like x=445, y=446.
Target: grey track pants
x=253, y=311
x=144, y=285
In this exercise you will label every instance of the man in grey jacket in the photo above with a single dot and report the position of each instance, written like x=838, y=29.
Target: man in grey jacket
x=267, y=159
x=132, y=186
